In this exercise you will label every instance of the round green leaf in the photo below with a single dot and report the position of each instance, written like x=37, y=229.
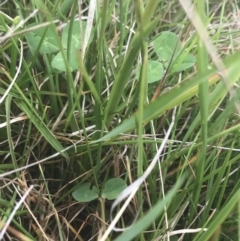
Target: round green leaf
x=48, y=44
x=58, y=62
x=77, y=35
x=164, y=45
x=154, y=71
x=186, y=63
x=113, y=187
x=84, y=194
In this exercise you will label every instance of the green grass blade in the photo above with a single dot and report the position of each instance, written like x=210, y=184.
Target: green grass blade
x=124, y=72
x=148, y=218
x=202, y=65
x=220, y=217
x=42, y=128
x=176, y=96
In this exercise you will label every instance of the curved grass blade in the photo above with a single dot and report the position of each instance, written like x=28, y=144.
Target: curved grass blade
x=219, y=219
x=124, y=72
x=42, y=128
x=146, y=221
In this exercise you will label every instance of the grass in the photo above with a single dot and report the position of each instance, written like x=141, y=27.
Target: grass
x=81, y=121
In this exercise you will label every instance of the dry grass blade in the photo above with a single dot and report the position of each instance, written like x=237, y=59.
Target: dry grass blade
x=203, y=34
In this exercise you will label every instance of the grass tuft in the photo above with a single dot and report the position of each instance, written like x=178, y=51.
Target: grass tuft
x=119, y=120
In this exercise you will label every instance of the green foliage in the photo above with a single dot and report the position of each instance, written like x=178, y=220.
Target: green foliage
x=77, y=34
x=154, y=71
x=50, y=45
x=112, y=188
x=149, y=217
x=77, y=118
x=85, y=193
x=166, y=45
